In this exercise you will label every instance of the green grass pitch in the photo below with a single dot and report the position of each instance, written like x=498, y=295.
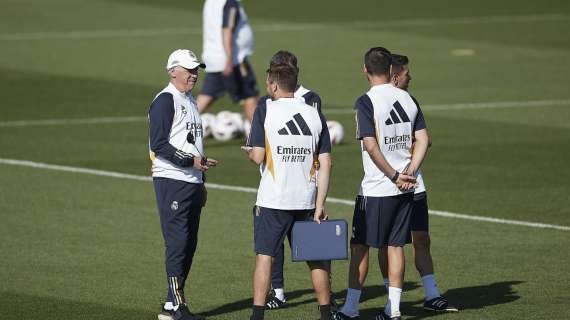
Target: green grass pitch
x=78, y=246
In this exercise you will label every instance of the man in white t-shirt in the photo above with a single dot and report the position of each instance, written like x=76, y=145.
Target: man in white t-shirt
x=277, y=298
x=227, y=44
x=385, y=119
x=433, y=301
x=178, y=166
x=288, y=138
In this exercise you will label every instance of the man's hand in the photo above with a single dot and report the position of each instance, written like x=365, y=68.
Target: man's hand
x=405, y=182
x=229, y=68
x=247, y=149
x=204, y=164
x=320, y=215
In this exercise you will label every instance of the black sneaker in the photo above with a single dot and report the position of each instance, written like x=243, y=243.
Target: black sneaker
x=383, y=316
x=275, y=303
x=439, y=304
x=183, y=313
x=341, y=316
x=166, y=314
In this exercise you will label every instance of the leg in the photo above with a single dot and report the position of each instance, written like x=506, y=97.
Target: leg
x=399, y=209
x=261, y=279
x=269, y=229
x=321, y=284
x=243, y=87
x=277, y=299
x=204, y=102
x=362, y=220
x=422, y=254
x=277, y=281
x=320, y=279
x=383, y=263
x=249, y=105
x=174, y=216
x=396, y=266
x=212, y=89
x=356, y=277
x=358, y=266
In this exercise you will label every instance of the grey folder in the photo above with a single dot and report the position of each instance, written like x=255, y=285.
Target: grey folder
x=326, y=241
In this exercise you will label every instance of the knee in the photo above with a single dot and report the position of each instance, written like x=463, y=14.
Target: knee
x=359, y=250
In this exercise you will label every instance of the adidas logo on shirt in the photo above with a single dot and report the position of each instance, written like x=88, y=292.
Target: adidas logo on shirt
x=393, y=119
x=294, y=129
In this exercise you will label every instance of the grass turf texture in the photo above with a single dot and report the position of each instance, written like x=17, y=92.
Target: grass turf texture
x=90, y=247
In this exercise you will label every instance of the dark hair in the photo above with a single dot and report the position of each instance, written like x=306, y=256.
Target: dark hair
x=283, y=57
x=285, y=75
x=378, y=61
x=398, y=62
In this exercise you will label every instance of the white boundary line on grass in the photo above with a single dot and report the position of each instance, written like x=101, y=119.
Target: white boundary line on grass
x=46, y=166
x=474, y=105
x=436, y=107
x=118, y=33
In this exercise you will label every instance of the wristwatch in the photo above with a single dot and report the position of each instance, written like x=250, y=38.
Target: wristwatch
x=395, y=177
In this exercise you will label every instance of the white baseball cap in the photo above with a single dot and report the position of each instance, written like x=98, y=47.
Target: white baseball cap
x=184, y=58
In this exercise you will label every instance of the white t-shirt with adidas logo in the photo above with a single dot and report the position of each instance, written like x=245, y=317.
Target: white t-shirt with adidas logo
x=293, y=135
x=389, y=114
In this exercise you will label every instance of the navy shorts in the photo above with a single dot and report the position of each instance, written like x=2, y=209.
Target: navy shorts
x=382, y=221
x=241, y=84
x=270, y=226
x=420, y=218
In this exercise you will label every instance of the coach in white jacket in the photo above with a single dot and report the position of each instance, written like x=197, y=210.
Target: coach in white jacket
x=178, y=166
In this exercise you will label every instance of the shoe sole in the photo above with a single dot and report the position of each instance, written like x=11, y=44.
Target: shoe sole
x=165, y=317
x=442, y=310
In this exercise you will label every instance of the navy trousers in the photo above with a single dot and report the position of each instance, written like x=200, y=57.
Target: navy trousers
x=179, y=206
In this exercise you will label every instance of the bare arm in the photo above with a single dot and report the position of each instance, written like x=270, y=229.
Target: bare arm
x=325, y=165
x=227, y=35
x=419, y=152
x=228, y=49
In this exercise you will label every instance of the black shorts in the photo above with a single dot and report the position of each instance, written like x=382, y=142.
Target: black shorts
x=420, y=218
x=241, y=84
x=382, y=221
x=270, y=226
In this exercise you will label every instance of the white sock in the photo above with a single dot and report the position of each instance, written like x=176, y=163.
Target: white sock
x=350, y=307
x=386, y=283
x=430, y=287
x=392, y=307
x=168, y=306
x=279, y=294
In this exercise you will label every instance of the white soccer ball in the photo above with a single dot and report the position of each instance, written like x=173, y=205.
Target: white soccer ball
x=227, y=126
x=208, y=123
x=336, y=131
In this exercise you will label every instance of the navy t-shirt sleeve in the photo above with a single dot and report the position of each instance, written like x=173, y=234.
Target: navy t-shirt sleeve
x=325, y=139
x=364, y=118
x=420, y=122
x=161, y=115
x=230, y=20
x=313, y=99
x=257, y=133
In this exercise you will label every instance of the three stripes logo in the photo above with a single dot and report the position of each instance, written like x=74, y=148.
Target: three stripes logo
x=298, y=123
x=393, y=119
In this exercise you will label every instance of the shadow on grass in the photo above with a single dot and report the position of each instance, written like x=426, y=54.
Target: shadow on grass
x=18, y=306
x=468, y=298
x=293, y=299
